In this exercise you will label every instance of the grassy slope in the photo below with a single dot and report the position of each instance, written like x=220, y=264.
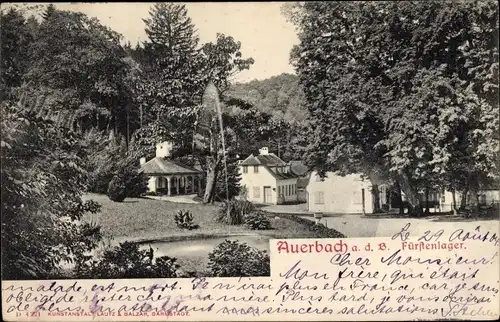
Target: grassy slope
x=141, y=218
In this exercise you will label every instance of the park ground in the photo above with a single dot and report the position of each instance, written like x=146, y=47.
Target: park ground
x=151, y=222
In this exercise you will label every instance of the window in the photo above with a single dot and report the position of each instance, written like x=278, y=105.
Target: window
x=256, y=192
x=319, y=198
x=294, y=189
x=255, y=169
x=245, y=169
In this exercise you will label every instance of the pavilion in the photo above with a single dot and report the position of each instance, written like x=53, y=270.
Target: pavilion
x=168, y=176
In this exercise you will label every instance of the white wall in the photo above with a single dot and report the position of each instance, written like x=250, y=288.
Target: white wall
x=152, y=184
x=291, y=195
x=261, y=179
x=341, y=194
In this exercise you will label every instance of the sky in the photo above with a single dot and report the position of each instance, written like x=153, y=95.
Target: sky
x=263, y=31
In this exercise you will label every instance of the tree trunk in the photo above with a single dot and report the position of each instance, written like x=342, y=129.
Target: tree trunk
x=140, y=116
x=376, y=199
x=412, y=196
x=399, y=198
x=128, y=126
x=463, y=199
x=454, y=202
x=427, y=210
x=210, y=182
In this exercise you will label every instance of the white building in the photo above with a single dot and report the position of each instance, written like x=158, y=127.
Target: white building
x=353, y=194
x=268, y=179
x=339, y=194
x=168, y=176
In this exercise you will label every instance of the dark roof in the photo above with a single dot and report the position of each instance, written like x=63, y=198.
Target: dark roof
x=280, y=174
x=268, y=159
x=166, y=166
x=299, y=168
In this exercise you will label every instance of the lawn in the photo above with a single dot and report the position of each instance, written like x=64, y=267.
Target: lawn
x=151, y=222
x=141, y=219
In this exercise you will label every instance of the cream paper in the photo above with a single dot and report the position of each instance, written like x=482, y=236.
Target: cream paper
x=435, y=275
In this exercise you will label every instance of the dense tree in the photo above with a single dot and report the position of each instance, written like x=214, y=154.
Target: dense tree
x=170, y=58
x=78, y=67
x=280, y=95
x=42, y=179
x=17, y=33
x=404, y=91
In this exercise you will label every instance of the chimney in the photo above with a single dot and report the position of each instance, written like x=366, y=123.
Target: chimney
x=142, y=160
x=163, y=149
x=264, y=151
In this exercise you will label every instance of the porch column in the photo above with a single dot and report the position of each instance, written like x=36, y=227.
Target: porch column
x=199, y=184
x=190, y=182
x=169, y=186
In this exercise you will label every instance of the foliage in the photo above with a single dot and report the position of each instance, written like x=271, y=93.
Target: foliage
x=169, y=57
x=397, y=96
x=321, y=230
x=232, y=212
x=184, y=219
x=136, y=182
x=106, y=158
x=257, y=220
x=101, y=160
x=42, y=182
x=79, y=66
x=233, y=181
x=235, y=259
x=117, y=189
x=279, y=95
x=17, y=33
x=243, y=195
x=126, y=261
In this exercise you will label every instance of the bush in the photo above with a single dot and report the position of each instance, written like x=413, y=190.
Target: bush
x=184, y=220
x=232, y=212
x=257, y=221
x=136, y=182
x=117, y=190
x=127, y=261
x=235, y=259
x=321, y=230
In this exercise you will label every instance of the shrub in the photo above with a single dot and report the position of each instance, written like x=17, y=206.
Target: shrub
x=127, y=261
x=135, y=180
x=232, y=212
x=184, y=220
x=321, y=230
x=235, y=259
x=243, y=195
x=117, y=190
x=257, y=220
x=385, y=207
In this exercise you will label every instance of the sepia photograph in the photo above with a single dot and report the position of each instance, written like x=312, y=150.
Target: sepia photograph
x=176, y=140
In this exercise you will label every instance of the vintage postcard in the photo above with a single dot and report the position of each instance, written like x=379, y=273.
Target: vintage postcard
x=303, y=161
